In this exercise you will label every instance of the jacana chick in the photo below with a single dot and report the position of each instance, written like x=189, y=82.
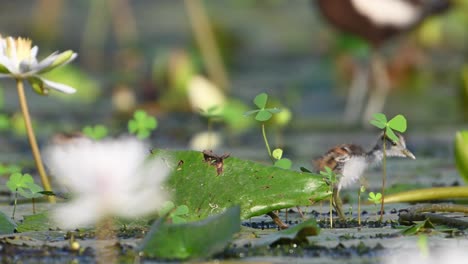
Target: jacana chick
x=349, y=162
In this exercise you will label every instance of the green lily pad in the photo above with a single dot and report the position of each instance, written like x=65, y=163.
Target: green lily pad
x=211, y=184
x=192, y=240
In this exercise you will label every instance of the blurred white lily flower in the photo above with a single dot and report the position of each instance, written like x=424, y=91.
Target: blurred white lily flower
x=204, y=95
x=18, y=60
x=109, y=178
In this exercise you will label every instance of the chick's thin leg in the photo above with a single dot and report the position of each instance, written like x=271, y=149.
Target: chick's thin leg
x=337, y=203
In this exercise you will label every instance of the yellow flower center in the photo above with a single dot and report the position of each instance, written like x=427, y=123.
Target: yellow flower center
x=20, y=46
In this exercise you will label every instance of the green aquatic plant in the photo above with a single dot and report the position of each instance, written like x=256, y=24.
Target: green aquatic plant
x=263, y=114
x=95, y=132
x=23, y=184
x=397, y=123
x=142, y=124
x=281, y=162
x=330, y=178
x=8, y=169
x=361, y=190
x=376, y=198
x=175, y=214
x=19, y=62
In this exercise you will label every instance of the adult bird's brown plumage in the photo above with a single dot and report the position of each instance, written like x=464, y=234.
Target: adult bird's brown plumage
x=377, y=22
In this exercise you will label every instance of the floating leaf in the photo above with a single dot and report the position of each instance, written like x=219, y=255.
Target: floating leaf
x=277, y=153
x=297, y=234
x=418, y=227
x=257, y=188
x=398, y=123
x=283, y=163
x=192, y=240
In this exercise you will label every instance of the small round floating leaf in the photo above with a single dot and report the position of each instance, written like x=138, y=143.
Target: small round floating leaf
x=181, y=210
x=398, y=123
x=263, y=115
x=277, y=153
x=261, y=100
x=283, y=163
x=166, y=208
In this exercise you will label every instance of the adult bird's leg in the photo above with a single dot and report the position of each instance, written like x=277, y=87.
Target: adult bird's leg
x=357, y=93
x=378, y=95
x=337, y=203
x=277, y=220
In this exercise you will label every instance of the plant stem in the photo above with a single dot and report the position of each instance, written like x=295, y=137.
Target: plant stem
x=331, y=212
x=34, y=205
x=438, y=193
x=359, y=207
x=14, y=206
x=105, y=237
x=32, y=138
x=204, y=36
x=210, y=132
x=384, y=176
x=266, y=142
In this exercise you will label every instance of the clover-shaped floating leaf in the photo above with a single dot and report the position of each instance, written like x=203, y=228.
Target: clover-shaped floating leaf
x=263, y=113
x=397, y=123
x=24, y=185
x=375, y=197
x=95, y=132
x=9, y=169
x=142, y=124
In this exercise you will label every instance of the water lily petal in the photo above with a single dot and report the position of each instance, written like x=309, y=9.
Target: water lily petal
x=81, y=212
x=58, y=86
x=7, y=66
x=47, y=61
x=59, y=60
x=34, y=51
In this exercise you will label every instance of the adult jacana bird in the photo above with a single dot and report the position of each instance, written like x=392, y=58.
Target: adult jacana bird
x=377, y=22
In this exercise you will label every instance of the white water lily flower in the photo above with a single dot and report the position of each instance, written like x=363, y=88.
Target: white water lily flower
x=109, y=178
x=18, y=60
x=204, y=95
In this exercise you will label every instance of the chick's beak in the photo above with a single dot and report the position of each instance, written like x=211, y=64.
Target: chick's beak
x=408, y=154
